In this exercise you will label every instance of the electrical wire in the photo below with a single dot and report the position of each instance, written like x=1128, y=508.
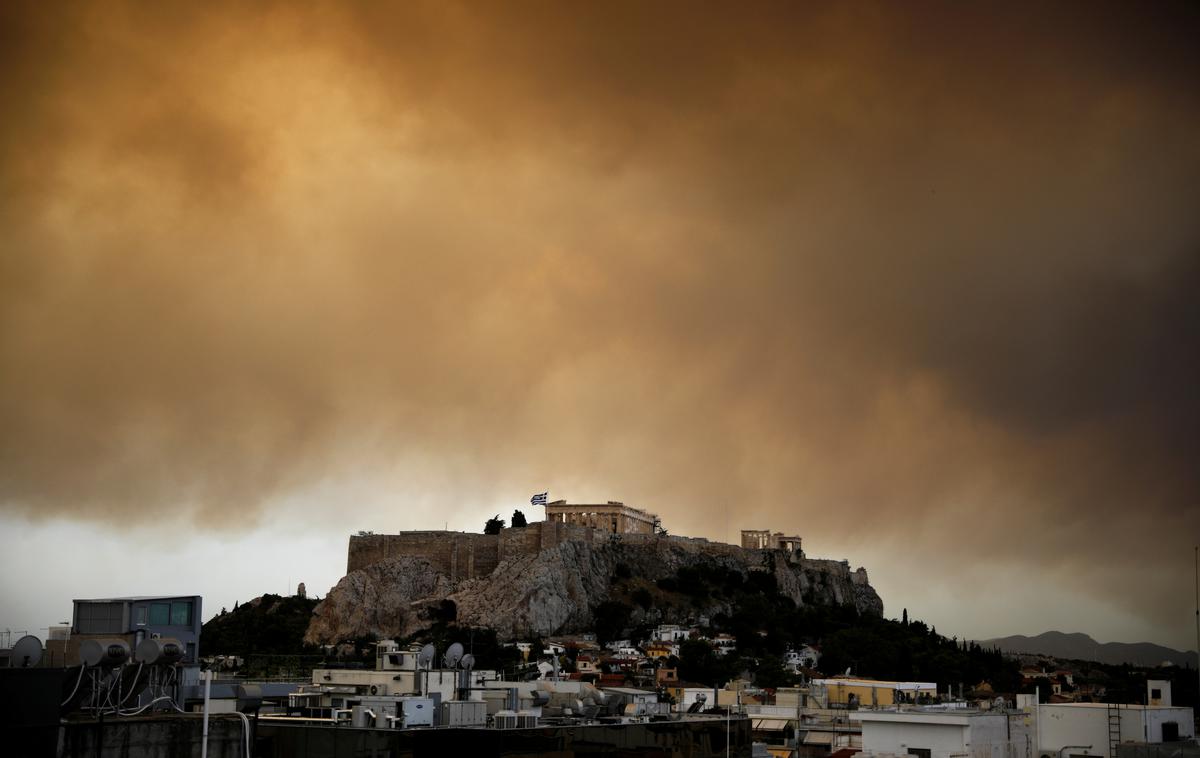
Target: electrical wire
x=77, y=683
x=144, y=707
x=105, y=705
x=132, y=686
x=113, y=686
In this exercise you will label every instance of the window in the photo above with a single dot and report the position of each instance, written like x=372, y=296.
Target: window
x=181, y=614
x=139, y=616
x=99, y=618
x=1155, y=694
x=920, y=752
x=160, y=614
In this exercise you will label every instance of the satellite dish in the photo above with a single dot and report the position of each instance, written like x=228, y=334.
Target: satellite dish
x=453, y=655
x=26, y=653
x=468, y=661
x=425, y=657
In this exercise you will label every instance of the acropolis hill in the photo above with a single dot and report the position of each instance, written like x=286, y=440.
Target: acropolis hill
x=549, y=577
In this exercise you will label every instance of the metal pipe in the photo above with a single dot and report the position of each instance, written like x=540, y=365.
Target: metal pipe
x=1085, y=747
x=1037, y=715
x=204, y=732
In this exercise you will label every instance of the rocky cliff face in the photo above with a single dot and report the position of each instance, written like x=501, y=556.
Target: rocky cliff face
x=558, y=589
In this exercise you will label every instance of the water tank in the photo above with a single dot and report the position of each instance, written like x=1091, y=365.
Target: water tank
x=362, y=717
x=249, y=697
x=158, y=650
x=101, y=652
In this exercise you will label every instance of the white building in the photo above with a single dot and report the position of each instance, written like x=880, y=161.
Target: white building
x=397, y=672
x=807, y=656
x=723, y=644
x=670, y=633
x=944, y=734
x=1158, y=692
x=1091, y=729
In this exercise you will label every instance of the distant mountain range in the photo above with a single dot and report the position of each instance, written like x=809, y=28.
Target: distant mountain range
x=1081, y=646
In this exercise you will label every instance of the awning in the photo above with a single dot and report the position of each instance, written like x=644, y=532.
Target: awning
x=770, y=723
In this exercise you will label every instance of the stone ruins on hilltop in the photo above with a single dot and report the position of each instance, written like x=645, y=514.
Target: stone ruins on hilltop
x=549, y=577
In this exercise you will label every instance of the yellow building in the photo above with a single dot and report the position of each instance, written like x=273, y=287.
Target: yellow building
x=848, y=692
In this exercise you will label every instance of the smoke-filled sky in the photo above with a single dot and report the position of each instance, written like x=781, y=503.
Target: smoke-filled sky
x=917, y=282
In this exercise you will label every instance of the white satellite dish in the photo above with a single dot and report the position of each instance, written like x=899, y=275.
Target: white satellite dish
x=453, y=655
x=468, y=662
x=26, y=653
x=425, y=657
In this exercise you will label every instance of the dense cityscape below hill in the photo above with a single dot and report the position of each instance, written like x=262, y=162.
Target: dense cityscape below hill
x=765, y=624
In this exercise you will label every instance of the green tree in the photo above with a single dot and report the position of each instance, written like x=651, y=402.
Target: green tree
x=771, y=674
x=642, y=597
x=493, y=525
x=518, y=519
x=699, y=663
x=612, y=619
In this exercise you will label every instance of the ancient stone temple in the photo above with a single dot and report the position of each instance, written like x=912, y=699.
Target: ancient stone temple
x=612, y=516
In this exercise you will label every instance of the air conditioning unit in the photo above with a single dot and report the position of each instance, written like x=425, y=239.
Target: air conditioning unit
x=526, y=720
x=505, y=720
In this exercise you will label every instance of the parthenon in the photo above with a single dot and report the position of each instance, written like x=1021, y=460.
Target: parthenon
x=612, y=516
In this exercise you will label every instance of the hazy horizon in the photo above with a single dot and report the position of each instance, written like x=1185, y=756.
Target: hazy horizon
x=917, y=283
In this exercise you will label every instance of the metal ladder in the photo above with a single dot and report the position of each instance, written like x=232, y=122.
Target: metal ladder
x=1114, y=729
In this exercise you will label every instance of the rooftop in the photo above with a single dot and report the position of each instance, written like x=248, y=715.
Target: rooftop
x=849, y=682
x=130, y=599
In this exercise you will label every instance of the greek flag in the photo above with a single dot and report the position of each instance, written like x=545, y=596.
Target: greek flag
x=539, y=499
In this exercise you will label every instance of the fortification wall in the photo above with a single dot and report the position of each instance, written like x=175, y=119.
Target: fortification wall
x=840, y=569
x=456, y=554
x=461, y=555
